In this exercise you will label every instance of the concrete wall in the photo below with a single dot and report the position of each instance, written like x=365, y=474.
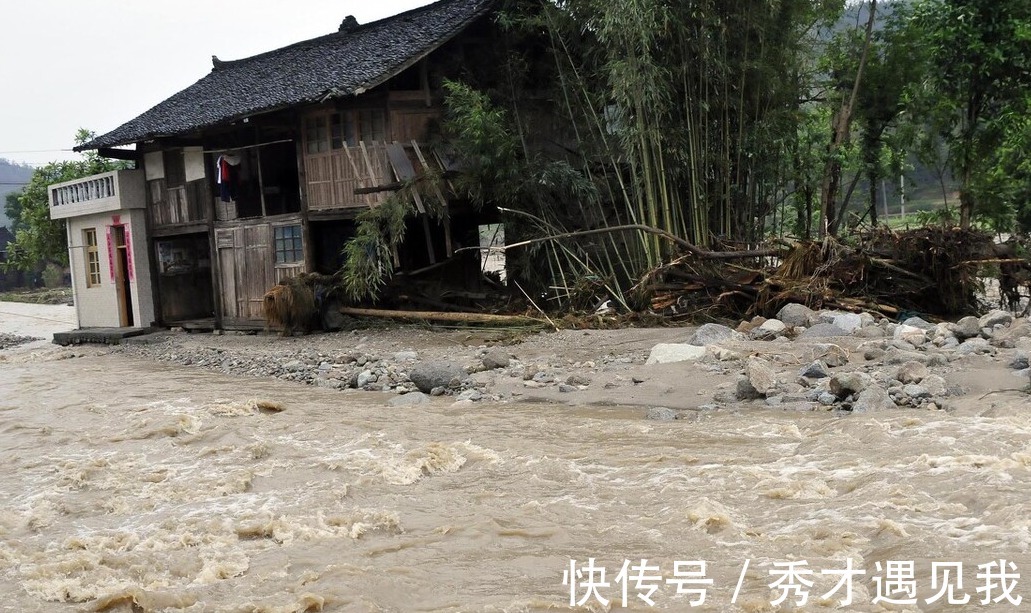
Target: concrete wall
x=97, y=306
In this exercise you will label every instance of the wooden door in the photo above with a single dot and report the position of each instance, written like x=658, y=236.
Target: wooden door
x=245, y=260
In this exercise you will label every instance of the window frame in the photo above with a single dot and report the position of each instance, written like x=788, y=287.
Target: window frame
x=288, y=246
x=91, y=251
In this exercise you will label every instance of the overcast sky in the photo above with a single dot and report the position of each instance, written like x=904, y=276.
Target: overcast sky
x=96, y=64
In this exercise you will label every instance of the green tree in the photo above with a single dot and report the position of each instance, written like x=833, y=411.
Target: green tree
x=978, y=76
x=37, y=238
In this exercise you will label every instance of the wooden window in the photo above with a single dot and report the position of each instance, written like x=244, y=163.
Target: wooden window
x=289, y=248
x=323, y=133
x=89, y=238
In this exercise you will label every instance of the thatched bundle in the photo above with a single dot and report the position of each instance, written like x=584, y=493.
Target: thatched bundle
x=290, y=306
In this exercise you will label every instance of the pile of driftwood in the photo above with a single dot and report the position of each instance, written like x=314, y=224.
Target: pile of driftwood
x=931, y=271
x=936, y=272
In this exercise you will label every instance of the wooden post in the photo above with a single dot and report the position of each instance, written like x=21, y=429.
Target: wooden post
x=302, y=189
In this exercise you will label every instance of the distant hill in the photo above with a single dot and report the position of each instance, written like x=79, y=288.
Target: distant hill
x=12, y=177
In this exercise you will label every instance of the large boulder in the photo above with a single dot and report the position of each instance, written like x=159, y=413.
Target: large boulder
x=428, y=375
x=496, y=358
x=847, y=383
x=912, y=372
x=968, y=327
x=973, y=346
x=795, y=315
x=995, y=318
x=714, y=334
x=761, y=375
x=873, y=399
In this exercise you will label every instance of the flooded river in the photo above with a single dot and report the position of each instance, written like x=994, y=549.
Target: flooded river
x=137, y=486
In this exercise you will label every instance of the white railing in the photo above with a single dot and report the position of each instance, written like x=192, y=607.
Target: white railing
x=109, y=191
x=92, y=188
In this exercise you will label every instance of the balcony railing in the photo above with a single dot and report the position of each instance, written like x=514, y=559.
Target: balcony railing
x=109, y=191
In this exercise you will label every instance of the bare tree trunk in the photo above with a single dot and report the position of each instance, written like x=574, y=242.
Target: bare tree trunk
x=840, y=126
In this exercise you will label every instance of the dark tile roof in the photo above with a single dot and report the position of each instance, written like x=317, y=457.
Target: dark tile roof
x=338, y=64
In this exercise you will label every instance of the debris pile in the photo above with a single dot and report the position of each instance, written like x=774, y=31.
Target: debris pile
x=933, y=271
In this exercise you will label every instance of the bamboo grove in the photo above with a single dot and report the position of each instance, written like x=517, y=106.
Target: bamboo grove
x=726, y=123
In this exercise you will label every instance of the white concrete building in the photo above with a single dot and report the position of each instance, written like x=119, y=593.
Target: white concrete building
x=107, y=248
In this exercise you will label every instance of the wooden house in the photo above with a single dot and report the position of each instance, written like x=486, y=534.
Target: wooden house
x=256, y=172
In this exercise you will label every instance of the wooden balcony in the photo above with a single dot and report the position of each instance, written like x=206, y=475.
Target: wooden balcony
x=110, y=191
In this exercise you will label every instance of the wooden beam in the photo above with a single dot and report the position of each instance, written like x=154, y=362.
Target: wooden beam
x=471, y=318
x=120, y=154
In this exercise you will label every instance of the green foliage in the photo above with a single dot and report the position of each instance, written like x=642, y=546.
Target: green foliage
x=369, y=254
x=977, y=79
x=37, y=238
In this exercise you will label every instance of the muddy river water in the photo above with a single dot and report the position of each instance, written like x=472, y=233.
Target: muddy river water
x=136, y=486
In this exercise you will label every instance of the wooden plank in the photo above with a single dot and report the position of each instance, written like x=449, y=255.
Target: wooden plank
x=480, y=318
x=403, y=170
x=368, y=165
x=448, y=244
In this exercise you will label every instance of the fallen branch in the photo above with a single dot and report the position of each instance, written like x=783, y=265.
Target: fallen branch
x=469, y=318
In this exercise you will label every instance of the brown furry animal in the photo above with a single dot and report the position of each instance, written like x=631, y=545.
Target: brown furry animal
x=289, y=306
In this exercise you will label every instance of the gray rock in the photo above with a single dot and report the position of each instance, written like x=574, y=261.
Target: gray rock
x=849, y=322
x=873, y=353
x=440, y=390
x=995, y=318
x=761, y=375
x=1020, y=360
x=816, y=370
x=745, y=391
x=827, y=399
x=935, y=385
x=774, y=401
x=833, y=355
x=910, y=334
x=406, y=356
x=713, y=334
x=973, y=346
x=912, y=372
x=365, y=377
x=543, y=377
x=873, y=331
x=873, y=399
x=1009, y=337
x=565, y=387
x=916, y=391
x=795, y=315
x=410, y=399
x=917, y=322
x=661, y=414
x=823, y=331
x=968, y=327
x=578, y=379
x=769, y=329
x=496, y=358
x=293, y=366
x=898, y=356
x=472, y=395
x=846, y=383
x=668, y=353
x=428, y=375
